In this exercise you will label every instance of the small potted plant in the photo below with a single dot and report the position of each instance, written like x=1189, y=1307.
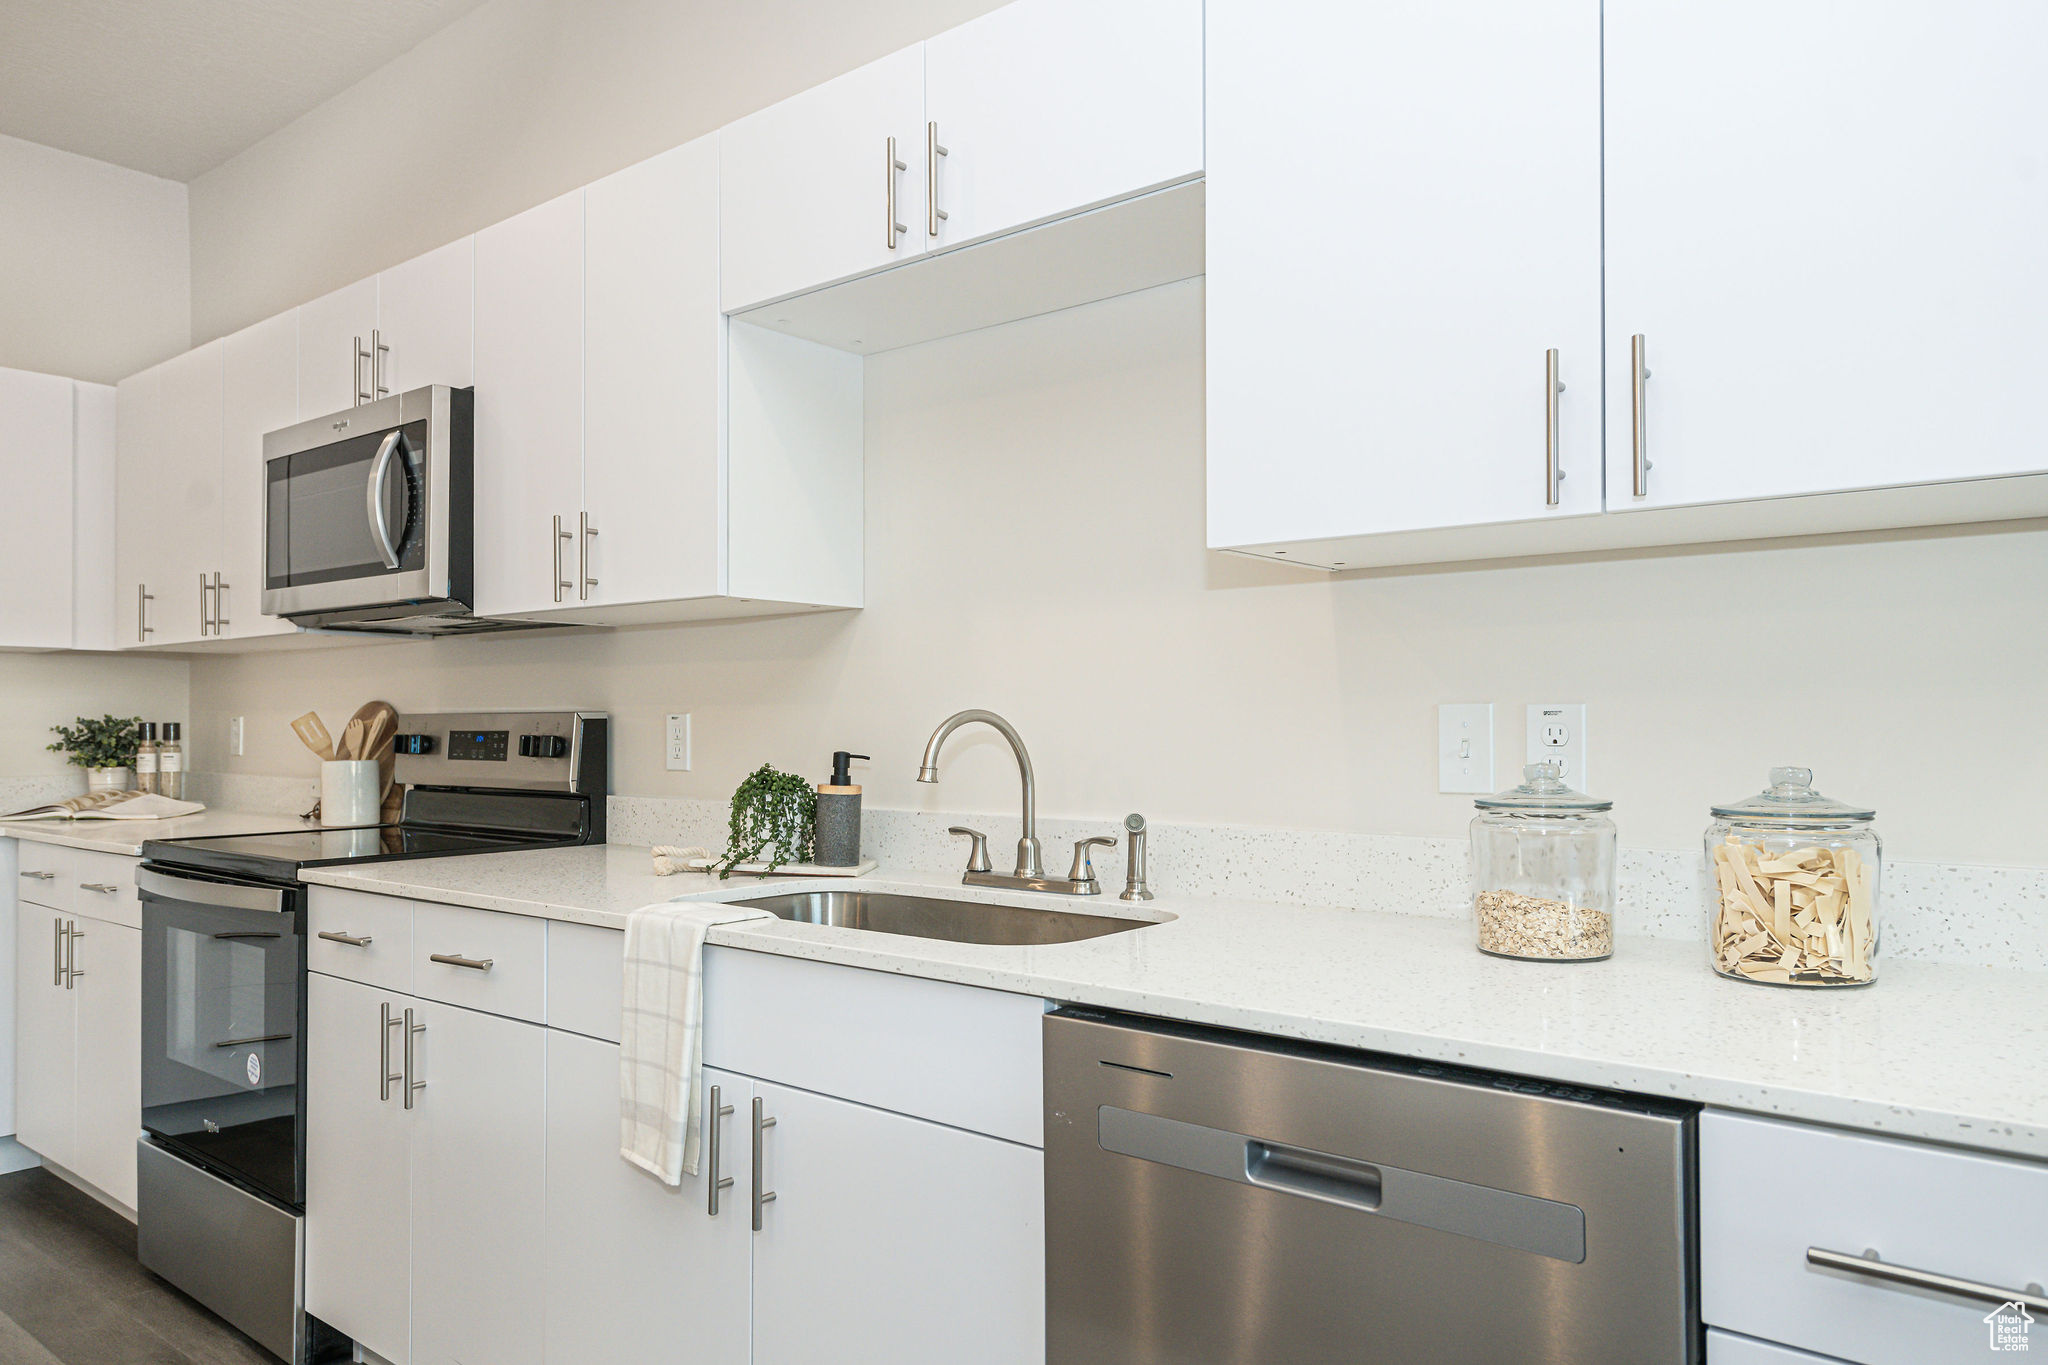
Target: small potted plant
x=105, y=748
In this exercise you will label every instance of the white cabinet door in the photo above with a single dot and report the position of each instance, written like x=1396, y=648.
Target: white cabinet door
x=45, y=1032
x=891, y=1240
x=1825, y=227
x=138, y=424
x=653, y=484
x=1403, y=218
x=179, y=520
x=331, y=327
x=36, y=513
x=479, y=1142
x=108, y=987
x=358, y=1166
x=808, y=183
x=261, y=378
x=636, y=1270
x=424, y=316
x=94, y=530
x=529, y=406
x=1047, y=106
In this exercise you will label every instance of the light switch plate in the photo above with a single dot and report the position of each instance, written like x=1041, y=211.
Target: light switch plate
x=235, y=736
x=1464, y=747
x=677, y=743
x=1557, y=731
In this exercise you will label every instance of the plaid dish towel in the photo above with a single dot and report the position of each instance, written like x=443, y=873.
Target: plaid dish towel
x=661, y=1034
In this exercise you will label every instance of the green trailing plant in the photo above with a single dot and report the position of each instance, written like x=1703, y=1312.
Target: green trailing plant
x=772, y=821
x=108, y=742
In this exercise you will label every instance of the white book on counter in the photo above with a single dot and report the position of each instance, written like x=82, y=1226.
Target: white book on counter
x=111, y=806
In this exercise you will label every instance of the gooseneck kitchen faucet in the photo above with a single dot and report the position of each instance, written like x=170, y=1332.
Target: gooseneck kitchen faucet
x=1030, y=873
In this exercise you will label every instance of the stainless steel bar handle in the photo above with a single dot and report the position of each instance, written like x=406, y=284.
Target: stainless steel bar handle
x=561, y=584
x=1553, y=473
x=934, y=215
x=104, y=888
x=380, y=470
x=762, y=1198
x=717, y=1182
x=386, y=1077
x=586, y=531
x=895, y=168
x=412, y=1032
x=143, y=629
x=475, y=964
x=39, y=876
x=218, y=588
x=350, y=939
x=72, y=934
x=378, y=350
x=205, y=625
x=357, y=368
x=1638, y=392
x=2033, y=1297
x=57, y=952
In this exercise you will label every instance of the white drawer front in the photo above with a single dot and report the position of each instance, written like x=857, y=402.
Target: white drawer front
x=103, y=886
x=360, y=937
x=1770, y=1190
x=586, y=967
x=1725, y=1348
x=45, y=875
x=957, y=1055
x=515, y=946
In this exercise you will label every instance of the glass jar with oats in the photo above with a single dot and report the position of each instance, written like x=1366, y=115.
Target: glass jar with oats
x=1543, y=871
x=1793, y=887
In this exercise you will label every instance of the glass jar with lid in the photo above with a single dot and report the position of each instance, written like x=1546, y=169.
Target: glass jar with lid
x=1543, y=871
x=1793, y=887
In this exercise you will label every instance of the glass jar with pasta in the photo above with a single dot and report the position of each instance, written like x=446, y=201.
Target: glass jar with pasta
x=1793, y=883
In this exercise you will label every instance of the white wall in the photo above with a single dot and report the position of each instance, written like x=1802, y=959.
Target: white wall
x=95, y=265
x=42, y=690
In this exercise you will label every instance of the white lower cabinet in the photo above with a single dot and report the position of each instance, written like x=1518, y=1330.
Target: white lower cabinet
x=45, y=1034
x=893, y=1240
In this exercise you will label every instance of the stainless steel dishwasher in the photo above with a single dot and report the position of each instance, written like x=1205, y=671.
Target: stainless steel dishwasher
x=1224, y=1199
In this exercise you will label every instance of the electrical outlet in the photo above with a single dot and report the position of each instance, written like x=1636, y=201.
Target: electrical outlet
x=1464, y=747
x=1557, y=734
x=677, y=748
x=235, y=736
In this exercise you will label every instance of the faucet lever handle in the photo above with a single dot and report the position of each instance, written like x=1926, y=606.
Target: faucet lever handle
x=1083, y=869
x=977, y=857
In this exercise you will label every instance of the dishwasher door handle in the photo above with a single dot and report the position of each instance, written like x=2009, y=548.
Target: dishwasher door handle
x=1524, y=1222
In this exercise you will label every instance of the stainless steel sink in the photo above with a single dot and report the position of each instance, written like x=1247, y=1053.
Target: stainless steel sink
x=932, y=917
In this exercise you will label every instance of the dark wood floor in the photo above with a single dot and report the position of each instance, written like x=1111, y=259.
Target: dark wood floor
x=72, y=1292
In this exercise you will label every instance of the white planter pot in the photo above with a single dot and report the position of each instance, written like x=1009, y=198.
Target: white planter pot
x=109, y=779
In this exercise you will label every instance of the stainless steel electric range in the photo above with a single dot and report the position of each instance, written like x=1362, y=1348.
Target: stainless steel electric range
x=222, y=1163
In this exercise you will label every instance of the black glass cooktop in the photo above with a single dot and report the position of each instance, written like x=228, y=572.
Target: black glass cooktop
x=281, y=855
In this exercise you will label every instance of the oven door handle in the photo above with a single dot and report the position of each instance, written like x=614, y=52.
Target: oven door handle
x=196, y=891
x=380, y=470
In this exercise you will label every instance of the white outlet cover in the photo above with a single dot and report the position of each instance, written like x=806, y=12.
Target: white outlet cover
x=676, y=743
x=1557, y=731
x=1464, y=747
x=235, y=736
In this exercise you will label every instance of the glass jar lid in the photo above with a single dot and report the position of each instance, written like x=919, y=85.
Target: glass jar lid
x=1791, y=800
x=1543, y=788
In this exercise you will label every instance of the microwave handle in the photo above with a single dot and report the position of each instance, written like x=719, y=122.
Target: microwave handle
x=380, y=468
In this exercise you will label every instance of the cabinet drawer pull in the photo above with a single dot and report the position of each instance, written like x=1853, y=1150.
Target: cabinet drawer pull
x=378, y=353
x=895, y=168
x=583, y=556
x=40, y=876
x=386, y=1077
x=351, y=940
x=562, y=584
x=358, y=366
x=412, y=1032
x=218, y=588
x=57, y=955
x=205, y=617
x=762, y=1198
x=72, y=933
x=143, y=629
x=1553, y=472
x=1868, y=1266
x=1638, y=404
x=246, y=1042
x=104, y=888
x=719, y=1110
x=475, y=964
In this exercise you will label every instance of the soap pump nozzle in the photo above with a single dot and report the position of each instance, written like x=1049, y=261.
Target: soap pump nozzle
x=841, y=775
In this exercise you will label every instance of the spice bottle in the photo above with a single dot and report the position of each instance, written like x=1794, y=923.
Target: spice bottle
x=146, y=755
x=1543, y=871
x=1793, y=887
x=170, y=763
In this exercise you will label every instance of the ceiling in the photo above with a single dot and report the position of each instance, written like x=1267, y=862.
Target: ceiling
x=175, y=87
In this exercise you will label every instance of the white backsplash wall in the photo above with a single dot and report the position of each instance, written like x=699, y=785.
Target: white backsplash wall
x=42, y=690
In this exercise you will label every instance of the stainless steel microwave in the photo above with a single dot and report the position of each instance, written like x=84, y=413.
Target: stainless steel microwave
x=367, y=517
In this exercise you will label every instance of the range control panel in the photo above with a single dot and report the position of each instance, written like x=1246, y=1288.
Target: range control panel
x=567, y=751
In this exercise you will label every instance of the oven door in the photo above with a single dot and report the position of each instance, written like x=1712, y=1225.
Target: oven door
x=223, y=1026
x=358, y=507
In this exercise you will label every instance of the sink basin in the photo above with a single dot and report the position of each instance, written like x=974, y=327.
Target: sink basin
x=933, y=917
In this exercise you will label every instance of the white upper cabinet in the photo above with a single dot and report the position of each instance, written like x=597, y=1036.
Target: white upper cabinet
x=424, y=317
x=1048, y=106
x=1403, y=221
x=810, y=191
x=529, y=407
x=653, y=383
x=334, y=331
x=168, y=449
x=1827, y=226
x=260, y=380
x=36, y=514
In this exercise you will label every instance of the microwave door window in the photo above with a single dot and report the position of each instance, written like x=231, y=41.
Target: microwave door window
x=320, y=511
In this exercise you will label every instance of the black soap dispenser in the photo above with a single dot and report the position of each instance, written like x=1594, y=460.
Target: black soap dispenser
x=837, y=841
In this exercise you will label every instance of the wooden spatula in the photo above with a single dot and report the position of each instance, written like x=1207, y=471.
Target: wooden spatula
x=314, y=735
x=351, y=746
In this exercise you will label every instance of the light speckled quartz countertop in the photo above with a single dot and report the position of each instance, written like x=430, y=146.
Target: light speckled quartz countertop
x=1954, y=1054
x=128, y=836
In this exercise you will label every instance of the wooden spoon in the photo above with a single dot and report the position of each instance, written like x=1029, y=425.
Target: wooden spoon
x=314, y=735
